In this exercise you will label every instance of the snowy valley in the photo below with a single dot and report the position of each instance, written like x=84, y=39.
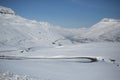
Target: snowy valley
x=19, y=32
x=34, y=50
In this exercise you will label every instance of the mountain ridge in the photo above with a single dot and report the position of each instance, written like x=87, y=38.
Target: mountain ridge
x=5, y=10
x=16, y=31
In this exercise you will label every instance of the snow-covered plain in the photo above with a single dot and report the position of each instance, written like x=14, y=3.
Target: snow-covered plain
x=45, y=50
x=66, y=69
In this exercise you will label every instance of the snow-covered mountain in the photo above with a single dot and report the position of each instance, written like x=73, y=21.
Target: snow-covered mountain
x=16, y=31
x=105, y=30
x=4, y=10
x=70, y=33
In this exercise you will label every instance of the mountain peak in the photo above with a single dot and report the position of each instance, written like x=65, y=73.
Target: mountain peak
x=5, y=10
x=110, y=20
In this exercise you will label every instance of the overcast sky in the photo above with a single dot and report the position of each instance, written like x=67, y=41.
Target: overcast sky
x=66, y=13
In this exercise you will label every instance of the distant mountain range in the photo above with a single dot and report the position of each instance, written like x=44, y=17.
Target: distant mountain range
x=105, y=30
x=16, y=31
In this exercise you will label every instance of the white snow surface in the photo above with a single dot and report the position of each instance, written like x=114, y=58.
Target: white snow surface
x=20, y=37
x=65, y=69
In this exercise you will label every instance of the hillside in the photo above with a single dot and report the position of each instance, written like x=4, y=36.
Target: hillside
x=16, y=31
x=107, y=30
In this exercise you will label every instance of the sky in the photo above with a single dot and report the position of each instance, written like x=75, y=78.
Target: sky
x=66, y=13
